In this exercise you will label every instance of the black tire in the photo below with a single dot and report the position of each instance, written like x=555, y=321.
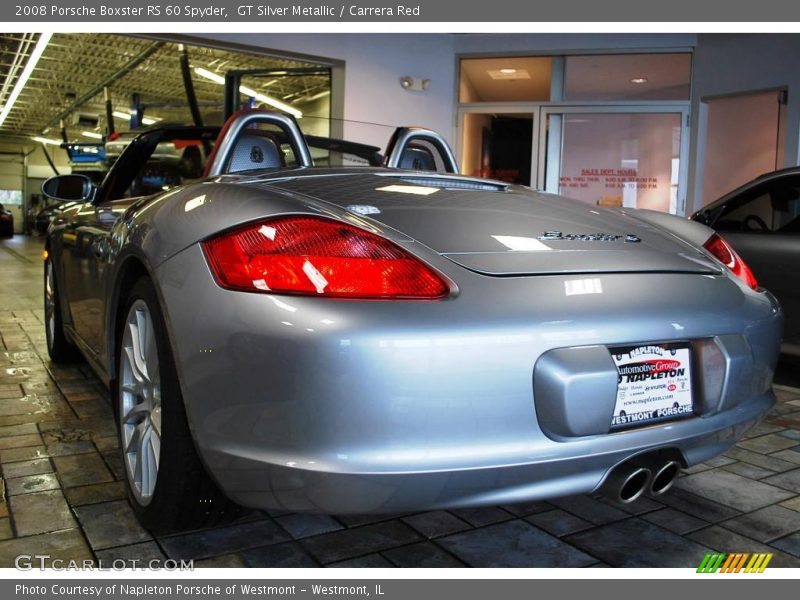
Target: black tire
x=59, y=348
x=185, y=497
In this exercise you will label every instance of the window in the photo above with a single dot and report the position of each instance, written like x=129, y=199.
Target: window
x=512, y=79
x=636, y=77
x=770, y=207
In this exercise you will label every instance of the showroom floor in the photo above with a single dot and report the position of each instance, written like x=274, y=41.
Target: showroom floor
x=63, y=495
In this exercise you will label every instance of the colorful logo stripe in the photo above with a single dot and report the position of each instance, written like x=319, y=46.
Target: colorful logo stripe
x=737, y=562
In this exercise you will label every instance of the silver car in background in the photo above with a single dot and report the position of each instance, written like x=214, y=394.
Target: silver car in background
x=365, y=339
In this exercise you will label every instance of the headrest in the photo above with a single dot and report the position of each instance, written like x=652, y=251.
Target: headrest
x=417, y=159
x=254, y=152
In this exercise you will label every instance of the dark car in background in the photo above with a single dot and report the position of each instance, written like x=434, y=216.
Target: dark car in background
x=6, y=222
x=761, y=220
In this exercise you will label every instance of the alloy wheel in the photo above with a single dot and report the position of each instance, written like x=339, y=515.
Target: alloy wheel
x=49, y=303
x=140, y=402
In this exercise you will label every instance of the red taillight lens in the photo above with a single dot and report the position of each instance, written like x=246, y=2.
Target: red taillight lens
x=318, y=257
x=727, y=256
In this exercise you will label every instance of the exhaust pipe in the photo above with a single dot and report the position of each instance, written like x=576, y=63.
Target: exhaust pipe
x=664, y=477
x=626, y=483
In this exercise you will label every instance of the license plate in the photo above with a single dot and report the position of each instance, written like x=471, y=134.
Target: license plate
x=654, y=384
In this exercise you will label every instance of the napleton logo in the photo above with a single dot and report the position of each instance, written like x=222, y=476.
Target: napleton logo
x=734, y=563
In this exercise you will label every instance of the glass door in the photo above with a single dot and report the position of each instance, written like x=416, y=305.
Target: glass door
x=616, y=156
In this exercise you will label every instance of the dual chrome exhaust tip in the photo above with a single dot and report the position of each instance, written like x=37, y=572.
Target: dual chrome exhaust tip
x=630, y=480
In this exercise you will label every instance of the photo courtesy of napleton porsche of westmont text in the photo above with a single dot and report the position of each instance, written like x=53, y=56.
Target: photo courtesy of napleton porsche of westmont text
x=208, y=590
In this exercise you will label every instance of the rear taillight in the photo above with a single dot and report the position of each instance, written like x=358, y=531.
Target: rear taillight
x=723, y=252
x=318, y=257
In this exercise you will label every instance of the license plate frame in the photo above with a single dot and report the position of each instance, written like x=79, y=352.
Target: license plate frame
x=654, y=384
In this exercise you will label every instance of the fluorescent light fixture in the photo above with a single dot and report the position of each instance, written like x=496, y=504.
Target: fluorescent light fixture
x=44, y=39
x=44, y=140
x=92, y=134
x=263, y=98
x=318, y=96
x=639, y=80
x=508, y=71
x=271, y=101
x=210, y=75
x=127, y=117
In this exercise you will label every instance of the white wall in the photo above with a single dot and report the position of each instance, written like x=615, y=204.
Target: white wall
x=374, y=65
x=736, y=63
x=573, y=43
x=741, y=141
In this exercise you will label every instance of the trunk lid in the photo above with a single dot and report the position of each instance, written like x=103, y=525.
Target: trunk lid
x=506, y=230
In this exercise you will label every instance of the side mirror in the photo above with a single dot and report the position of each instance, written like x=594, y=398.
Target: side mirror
x=76, y=188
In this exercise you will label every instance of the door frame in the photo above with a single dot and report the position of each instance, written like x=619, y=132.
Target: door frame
x=507, y=108
x=680, y=108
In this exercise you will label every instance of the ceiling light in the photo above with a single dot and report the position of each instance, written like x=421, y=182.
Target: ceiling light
x=44, y=140
x=271, y=101
x=639, y=80
x=509, y=74
x=127, y=117
x=92, y=134
x=210, y=75
x=219, y=79
x=318, y=96
x=44, y=39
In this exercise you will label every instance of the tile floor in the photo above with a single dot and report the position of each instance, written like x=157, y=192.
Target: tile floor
x=63, y=495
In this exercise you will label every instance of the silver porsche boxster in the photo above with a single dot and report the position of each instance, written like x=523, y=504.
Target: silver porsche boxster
x=351, y=339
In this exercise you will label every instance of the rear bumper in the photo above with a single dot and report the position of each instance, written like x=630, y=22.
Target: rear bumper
x=574, y=468
x=307, y=404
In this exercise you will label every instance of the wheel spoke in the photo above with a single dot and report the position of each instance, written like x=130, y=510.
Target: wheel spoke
x=143, y=332
x=136, y=354
x=133, y=442
x=130, y=388
x=141, y=473
x=137, y=413
x=151, y=357
x=155, y=418
x=136, y=370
